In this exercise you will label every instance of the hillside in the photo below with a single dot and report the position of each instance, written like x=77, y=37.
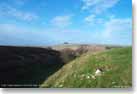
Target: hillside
x=78, y=46
x=71, y=51
x=27, y=66
x=115, y=65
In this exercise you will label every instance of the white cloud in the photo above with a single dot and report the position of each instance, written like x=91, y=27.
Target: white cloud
x=93, y=20
x=88, y=3
x=98, y=6
x=61, y=21
x=6, y=10
x=95, y=8
x=90, y=18
x=113, y=31
x=117, y=26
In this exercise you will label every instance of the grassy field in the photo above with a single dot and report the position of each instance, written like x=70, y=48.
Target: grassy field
x=116, y=64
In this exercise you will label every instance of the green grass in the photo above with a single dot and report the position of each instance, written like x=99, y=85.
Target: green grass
x=116, y=63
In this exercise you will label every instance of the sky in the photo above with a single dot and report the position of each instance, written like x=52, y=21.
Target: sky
x=51, y=22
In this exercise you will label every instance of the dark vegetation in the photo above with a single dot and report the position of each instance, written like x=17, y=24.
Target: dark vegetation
x=27, y=66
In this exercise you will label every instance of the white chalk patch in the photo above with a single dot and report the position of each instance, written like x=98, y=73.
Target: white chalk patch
x=98, y=72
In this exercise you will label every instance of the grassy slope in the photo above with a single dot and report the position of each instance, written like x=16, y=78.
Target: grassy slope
x=117, y=65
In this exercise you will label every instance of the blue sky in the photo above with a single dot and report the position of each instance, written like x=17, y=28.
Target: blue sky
x=49, y=22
